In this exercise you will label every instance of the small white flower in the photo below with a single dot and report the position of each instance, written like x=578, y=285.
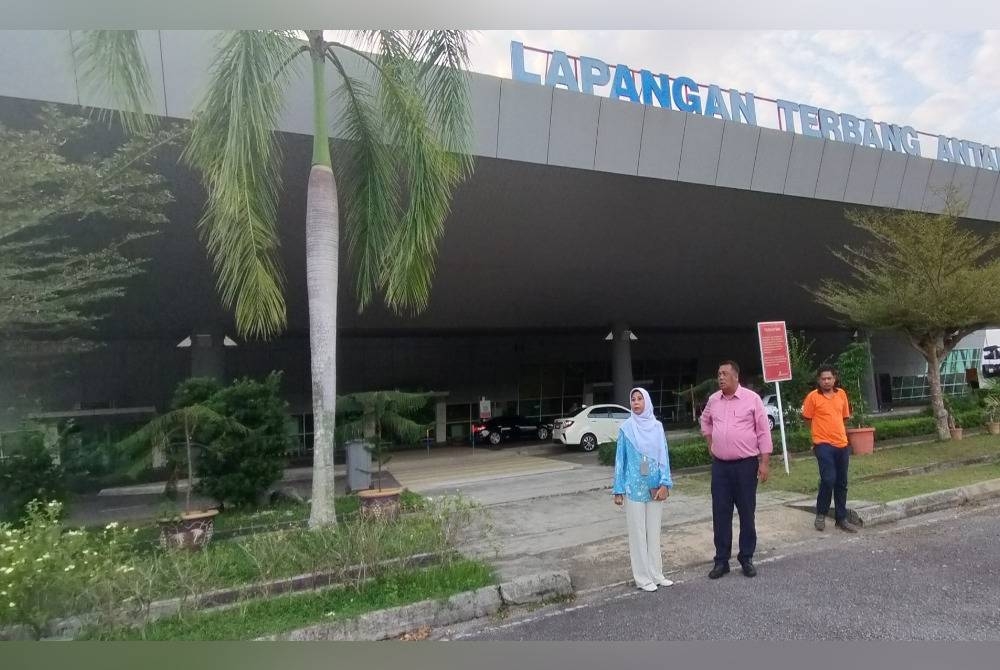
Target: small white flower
x=13, y=605
x=68, y=567
x=111, y=526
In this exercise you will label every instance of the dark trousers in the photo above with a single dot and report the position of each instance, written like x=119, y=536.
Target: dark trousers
x=734, y=483
x=833, y=464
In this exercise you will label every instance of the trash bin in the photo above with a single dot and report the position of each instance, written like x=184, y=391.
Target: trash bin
x=359, y=466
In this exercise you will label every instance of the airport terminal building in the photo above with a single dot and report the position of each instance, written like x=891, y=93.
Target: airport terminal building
x=597, y=232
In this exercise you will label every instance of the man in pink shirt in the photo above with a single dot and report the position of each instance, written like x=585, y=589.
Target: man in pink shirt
x=735, y=424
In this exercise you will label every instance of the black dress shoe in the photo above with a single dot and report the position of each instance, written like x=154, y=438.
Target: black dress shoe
x=748, y=569
x=718, y=570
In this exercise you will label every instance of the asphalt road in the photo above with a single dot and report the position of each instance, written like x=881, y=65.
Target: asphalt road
x=930, y=578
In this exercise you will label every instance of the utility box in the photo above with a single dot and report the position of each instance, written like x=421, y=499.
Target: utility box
x=359, y=466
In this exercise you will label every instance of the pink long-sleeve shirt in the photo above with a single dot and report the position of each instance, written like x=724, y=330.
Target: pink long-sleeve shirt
x=736, y=425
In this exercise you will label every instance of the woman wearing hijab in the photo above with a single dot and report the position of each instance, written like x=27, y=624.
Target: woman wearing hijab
x=642, y=483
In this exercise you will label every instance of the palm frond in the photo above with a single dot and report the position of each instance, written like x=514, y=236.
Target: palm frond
x=370, y=186
x=442, y=79
x=424, y=116
x=112, y=66
x=233, y=145
x=431, y=174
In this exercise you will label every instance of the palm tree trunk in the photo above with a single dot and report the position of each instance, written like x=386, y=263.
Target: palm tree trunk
x=322, y=248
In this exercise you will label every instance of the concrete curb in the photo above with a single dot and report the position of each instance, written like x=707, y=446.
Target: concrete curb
x=878, y=514
x=390, y=623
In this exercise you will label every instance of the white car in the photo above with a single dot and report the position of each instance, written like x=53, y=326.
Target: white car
x=771, y=405
x=590, y=426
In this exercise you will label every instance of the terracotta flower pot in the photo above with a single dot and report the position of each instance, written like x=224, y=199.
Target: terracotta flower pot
x=383, y=505
x=861, y=441
x=192, y=530
x=956, y=433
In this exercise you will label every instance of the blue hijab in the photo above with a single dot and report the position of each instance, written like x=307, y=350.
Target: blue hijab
x=645, y=432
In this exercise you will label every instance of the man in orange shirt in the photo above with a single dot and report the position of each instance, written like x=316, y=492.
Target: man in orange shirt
x=825, y=410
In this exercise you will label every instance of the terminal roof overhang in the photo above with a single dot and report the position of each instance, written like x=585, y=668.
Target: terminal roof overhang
x=581, y=211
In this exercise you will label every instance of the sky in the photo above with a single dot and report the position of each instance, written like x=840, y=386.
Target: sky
x=938, y=82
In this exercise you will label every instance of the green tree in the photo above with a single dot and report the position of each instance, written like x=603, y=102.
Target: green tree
x=795, y=390
x=922, y=275
x=408, y=129
x=66, y=219
x=382, y=415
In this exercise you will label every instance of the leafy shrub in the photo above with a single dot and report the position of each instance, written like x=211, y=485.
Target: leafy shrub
x=889, y=429
x=28, y=473
x=606, y=453
x=46, y=573
x=238, y=468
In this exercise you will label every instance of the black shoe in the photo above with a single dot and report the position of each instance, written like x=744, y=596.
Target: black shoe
x=846, y=527
x=820, y=522
x=718, y=570
x=748, y=569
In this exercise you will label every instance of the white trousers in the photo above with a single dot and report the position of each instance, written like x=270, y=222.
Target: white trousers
x=643, y=521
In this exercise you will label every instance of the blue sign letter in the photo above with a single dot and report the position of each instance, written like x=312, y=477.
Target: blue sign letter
x=685, y=100
x=871, y=138
x=517, y=71
x=944, y=149
x=809, y=116
x=560, y=72
x=650, y=89
x=715, y=105
x=829, y=124
x=849, y=124
x=743, y=106
x=786, y=108
x=912, y=143
x=593, y=73
x=624, y=84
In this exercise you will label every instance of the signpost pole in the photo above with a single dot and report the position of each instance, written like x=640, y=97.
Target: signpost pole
x=776, y=362
x=781, y=422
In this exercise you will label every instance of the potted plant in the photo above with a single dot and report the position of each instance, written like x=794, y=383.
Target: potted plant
x=375, y=415
x=379, y=502
x=991, y=410
x=852, y=365
x=190, y=529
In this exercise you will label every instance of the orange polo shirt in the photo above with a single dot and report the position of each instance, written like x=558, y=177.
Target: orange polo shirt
x=827, y=416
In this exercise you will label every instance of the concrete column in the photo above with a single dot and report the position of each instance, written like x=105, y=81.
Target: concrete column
x=440, y=425
x=621, y=362
x=208, y=356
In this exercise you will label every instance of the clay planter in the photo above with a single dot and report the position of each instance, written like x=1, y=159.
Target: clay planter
x=193, y=530
x=956, y=433
x=382, y=505
x=993, y=427
x=861, y=441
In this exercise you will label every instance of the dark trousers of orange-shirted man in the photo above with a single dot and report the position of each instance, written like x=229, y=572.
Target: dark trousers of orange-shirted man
x=735, y=424
x=825, y=410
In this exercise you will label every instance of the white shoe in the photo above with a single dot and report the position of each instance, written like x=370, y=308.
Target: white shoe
x=648, y=587
x=665, y=582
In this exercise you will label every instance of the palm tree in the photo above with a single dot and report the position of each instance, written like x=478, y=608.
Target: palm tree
x=408, y=129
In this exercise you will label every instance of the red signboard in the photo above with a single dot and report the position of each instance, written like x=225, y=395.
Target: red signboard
x=774, y=356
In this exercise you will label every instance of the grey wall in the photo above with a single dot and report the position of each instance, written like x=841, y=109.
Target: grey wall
x=525, y=122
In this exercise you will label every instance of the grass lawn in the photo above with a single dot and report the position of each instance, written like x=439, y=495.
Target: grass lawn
x=804, y=475
x=276, y=615
x=904, y=487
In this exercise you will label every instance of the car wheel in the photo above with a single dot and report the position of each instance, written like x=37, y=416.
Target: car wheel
x=495, y=438
x=770, y=422
x=588, y=442
x=543, y=433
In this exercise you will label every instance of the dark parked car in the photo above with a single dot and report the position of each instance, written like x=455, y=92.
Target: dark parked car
x=503, y=428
